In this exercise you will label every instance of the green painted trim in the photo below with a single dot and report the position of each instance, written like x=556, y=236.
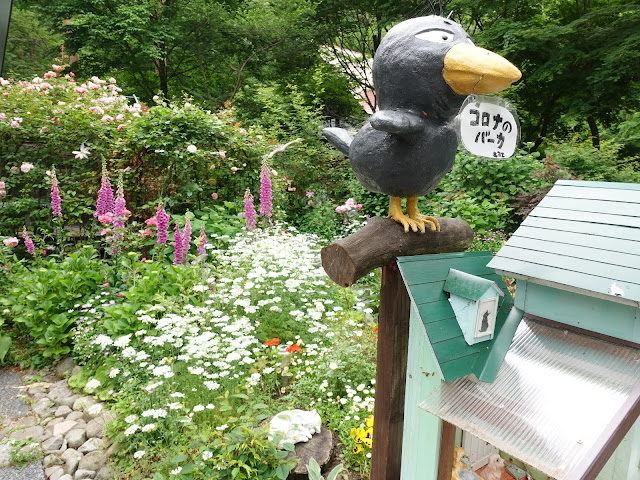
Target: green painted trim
x=488, y=370
x=423, y=258
x=611, y=185
x=425, y=277
x=593, y=314
x=609, y=231
x=604, y=218
x=468, y=286
x=422, y=431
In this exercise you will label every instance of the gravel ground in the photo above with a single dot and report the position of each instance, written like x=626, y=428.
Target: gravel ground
x=11, y=407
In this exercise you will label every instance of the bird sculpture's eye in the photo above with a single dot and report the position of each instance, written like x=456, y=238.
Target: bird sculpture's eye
x=438, y=36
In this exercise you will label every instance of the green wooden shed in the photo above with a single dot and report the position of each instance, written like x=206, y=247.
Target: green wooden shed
x=558, y=387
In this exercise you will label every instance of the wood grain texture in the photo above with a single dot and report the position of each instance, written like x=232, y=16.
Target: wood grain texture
x=393, y=346
x=382, y=240
x=447, y=445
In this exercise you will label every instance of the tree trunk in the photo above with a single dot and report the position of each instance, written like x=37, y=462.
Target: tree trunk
x=595, y=134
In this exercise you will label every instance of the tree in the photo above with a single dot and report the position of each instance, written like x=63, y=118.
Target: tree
x=31, y=47
x=580, y=60
x=203, y=47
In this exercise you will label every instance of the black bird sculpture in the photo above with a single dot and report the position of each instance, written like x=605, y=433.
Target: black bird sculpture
x=423, y=70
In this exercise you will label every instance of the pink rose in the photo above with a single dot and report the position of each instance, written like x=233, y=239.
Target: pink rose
x=147, y=232
x=104, y=231
x=121, y=126
x=234, y=169
x=359, y=206
x=107, y=118
x=106, y=218
x=214, y=195
x=25, y=167
x=11, y=242
x=151, y=221
x=2, y=185
x=222, y=153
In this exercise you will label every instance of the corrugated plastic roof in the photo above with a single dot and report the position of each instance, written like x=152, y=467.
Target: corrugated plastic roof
x=558, y=400
x=584, y=237
x=425, y=276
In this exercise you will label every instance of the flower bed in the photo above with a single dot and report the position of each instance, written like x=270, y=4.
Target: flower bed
x=191, y=380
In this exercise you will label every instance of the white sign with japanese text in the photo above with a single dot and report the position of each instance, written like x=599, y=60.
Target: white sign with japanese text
x=488, y=127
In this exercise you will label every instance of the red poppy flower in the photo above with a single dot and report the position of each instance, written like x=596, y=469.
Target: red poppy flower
x=272, y=343
x=293, y=348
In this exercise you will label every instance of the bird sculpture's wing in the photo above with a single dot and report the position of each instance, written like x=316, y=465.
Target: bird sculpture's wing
x=396, y=121
x=339, y=138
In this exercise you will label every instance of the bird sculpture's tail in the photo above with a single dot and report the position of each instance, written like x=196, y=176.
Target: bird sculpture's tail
x=339, y=138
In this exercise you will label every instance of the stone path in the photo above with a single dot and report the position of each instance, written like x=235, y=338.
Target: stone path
x=63, y=432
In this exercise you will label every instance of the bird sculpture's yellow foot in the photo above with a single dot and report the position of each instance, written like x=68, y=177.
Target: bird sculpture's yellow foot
x=395, y=212
x=414, y=214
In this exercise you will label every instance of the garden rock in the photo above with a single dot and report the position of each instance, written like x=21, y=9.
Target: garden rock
x=95, y=428
x=75, y=416
x=84, y=403
x=34, y=389
x=64, y=366
x=5, y=454
x=93, y=461
x=91, y=445
x=70, y=453
x=104, y=474
x=71, y=464
x=76, y=437
x=63, y=411
x=319, y=448
x=34, y=432
x=66, y=477
x=53, y=473
x=69, y=401
x=53, y=445
x=42, y=408
x=24, y=422
x=63, y=427
x=82, y=474
x=51, y=460
x=59, y=393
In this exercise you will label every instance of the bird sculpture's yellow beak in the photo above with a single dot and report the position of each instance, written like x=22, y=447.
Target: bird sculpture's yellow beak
x=469, y=69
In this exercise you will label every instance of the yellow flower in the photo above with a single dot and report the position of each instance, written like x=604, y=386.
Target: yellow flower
x=370, y=421
x=368, y=442
x=369, y=433
x=357, y=449
x=358, y=439
x=353, y=432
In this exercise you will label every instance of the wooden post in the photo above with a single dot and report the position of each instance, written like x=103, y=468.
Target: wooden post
x=447, y=446
x=378, y=244
x=393, y=341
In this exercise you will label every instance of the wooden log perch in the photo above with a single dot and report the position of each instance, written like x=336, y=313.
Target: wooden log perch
x=382, y=240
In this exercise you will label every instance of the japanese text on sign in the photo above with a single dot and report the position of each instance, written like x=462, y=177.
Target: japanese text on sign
x=489, y=128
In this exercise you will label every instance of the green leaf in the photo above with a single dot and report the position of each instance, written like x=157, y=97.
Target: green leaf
x=5, y=345
x=180, y=458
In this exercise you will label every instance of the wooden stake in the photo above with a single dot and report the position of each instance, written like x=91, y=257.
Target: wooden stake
x=393, y=342
x=447, y=446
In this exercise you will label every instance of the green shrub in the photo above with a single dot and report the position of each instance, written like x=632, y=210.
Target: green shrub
x=481, y=190
x=589, y=163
